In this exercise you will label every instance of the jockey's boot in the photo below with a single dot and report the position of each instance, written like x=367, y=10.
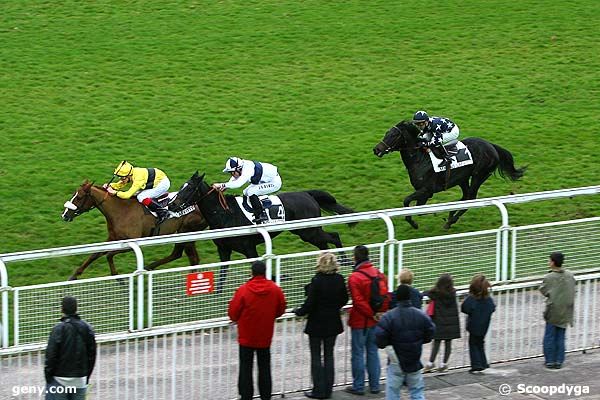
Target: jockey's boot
x=161, y=212
x=258, y=209
x=446, y=157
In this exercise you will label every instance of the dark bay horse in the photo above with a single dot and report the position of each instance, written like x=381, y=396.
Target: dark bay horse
x=487, y=158
x=126, y=219
x=297, y=205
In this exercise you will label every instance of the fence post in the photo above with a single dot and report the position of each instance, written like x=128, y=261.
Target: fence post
x=139, y=258
x=505, y=228
x=4, y=288
x=390, y=242
x=268, y=256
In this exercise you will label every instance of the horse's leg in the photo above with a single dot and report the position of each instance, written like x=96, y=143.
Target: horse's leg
x=465, y=195
x=191, y=253
x=224, y=255
x=175, y=254
x=473, y=190
x=111, y=262
x=421, y=196
x=85, y=264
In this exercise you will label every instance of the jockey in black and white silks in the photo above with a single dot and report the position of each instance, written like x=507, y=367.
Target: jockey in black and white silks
x=263, y=178
x=437, y=131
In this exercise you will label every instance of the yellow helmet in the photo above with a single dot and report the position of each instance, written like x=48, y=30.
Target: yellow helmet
x=124, y=169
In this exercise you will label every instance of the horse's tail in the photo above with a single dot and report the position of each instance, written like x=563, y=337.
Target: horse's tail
x=328, y=203
x=506, y=166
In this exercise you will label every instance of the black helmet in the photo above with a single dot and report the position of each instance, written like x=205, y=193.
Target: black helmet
x=420, y=116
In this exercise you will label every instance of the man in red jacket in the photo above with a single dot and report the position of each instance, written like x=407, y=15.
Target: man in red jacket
x=362, y=323
x=255, y=306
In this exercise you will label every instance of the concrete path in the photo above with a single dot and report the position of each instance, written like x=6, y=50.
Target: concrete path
x=580, y=374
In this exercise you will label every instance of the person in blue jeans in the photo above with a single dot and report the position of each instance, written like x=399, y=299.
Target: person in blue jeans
x=362, y=321
x=402, y=331
x=558, y=287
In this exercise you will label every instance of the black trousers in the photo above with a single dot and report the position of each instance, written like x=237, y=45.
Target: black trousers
x=245, y=383
x=321, y=364
x=477, y=352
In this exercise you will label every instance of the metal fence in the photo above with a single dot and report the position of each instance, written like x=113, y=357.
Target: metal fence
x=150, y=299
x=580, y=239
x=200, y=361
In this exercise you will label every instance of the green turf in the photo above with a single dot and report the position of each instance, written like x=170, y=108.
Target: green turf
x=309, y=86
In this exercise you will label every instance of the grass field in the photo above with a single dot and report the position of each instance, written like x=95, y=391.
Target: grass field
x=309, y=86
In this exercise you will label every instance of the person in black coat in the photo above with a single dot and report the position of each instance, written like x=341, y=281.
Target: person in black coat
x=445, y=318
x=326, y=294
x=479, y=307
x=70, y=354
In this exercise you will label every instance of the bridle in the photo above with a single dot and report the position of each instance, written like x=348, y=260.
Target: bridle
x=389, y=147
x=87, y=193
x=220, y=196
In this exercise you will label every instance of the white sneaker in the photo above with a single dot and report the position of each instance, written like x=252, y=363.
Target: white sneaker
x=443, y=367
x=429, y=366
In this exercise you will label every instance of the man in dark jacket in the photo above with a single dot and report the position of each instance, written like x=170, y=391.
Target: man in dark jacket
x=255, y=306
x=70, y=355
x=405, y=328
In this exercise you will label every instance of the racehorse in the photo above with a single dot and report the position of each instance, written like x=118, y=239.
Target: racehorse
x=223, y=211
x=127, y=219
x=487, y=158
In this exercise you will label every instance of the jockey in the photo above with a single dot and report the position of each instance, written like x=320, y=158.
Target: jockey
x=263, y=179
x=146, y=185
x=437, y=131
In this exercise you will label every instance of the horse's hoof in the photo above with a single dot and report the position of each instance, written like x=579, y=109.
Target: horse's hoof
x=414, y=224
x=447, y=225
x=72, y=278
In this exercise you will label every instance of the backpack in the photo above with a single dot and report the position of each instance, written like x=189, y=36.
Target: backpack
x=379, y=298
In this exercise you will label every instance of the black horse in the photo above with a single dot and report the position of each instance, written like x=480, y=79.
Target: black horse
x=223, y=212
x=487, y=158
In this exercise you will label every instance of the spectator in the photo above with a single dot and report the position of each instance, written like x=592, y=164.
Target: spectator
x=406, y=277
x=403, y=330
x=255, y=306
x=326, y=295
x=362, y=321
x=70, y=355
x=479, y=307
x=559, y=288
x=445, y=318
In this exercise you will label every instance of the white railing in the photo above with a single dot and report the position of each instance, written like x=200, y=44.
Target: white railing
x=487, y=243
x=200, y=360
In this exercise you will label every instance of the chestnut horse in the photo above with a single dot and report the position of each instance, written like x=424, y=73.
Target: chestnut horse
x=127, y=219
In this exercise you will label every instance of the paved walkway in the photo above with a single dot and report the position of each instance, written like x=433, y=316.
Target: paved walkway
x=580, y=370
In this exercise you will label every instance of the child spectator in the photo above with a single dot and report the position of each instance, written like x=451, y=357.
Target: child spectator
x=445, y=318
x=479, y=307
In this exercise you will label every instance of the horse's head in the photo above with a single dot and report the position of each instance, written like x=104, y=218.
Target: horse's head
x=190, y=192
x=403, y=135
x=81, y=202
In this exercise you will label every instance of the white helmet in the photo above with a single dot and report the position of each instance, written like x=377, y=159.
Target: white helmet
x=233, y=164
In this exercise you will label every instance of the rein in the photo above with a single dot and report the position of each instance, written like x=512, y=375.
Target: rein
x=220, y=196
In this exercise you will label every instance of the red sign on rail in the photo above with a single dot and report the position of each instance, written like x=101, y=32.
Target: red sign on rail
x=200, y=282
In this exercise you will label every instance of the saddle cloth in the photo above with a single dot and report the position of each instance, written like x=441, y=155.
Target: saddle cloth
x=272, y=207
x=164, y=200
x=460, y=159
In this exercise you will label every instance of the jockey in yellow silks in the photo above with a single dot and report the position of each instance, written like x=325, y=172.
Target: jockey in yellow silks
x=146, y=184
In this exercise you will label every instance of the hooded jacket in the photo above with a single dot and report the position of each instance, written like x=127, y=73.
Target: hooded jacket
x=255, y=306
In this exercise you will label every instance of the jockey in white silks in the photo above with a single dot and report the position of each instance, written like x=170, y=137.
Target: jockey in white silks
x=437, y=131
x=263, y=178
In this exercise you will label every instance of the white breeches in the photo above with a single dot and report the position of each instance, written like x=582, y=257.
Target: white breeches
x=161, y=188
x=452, y=135
x=264, y=188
